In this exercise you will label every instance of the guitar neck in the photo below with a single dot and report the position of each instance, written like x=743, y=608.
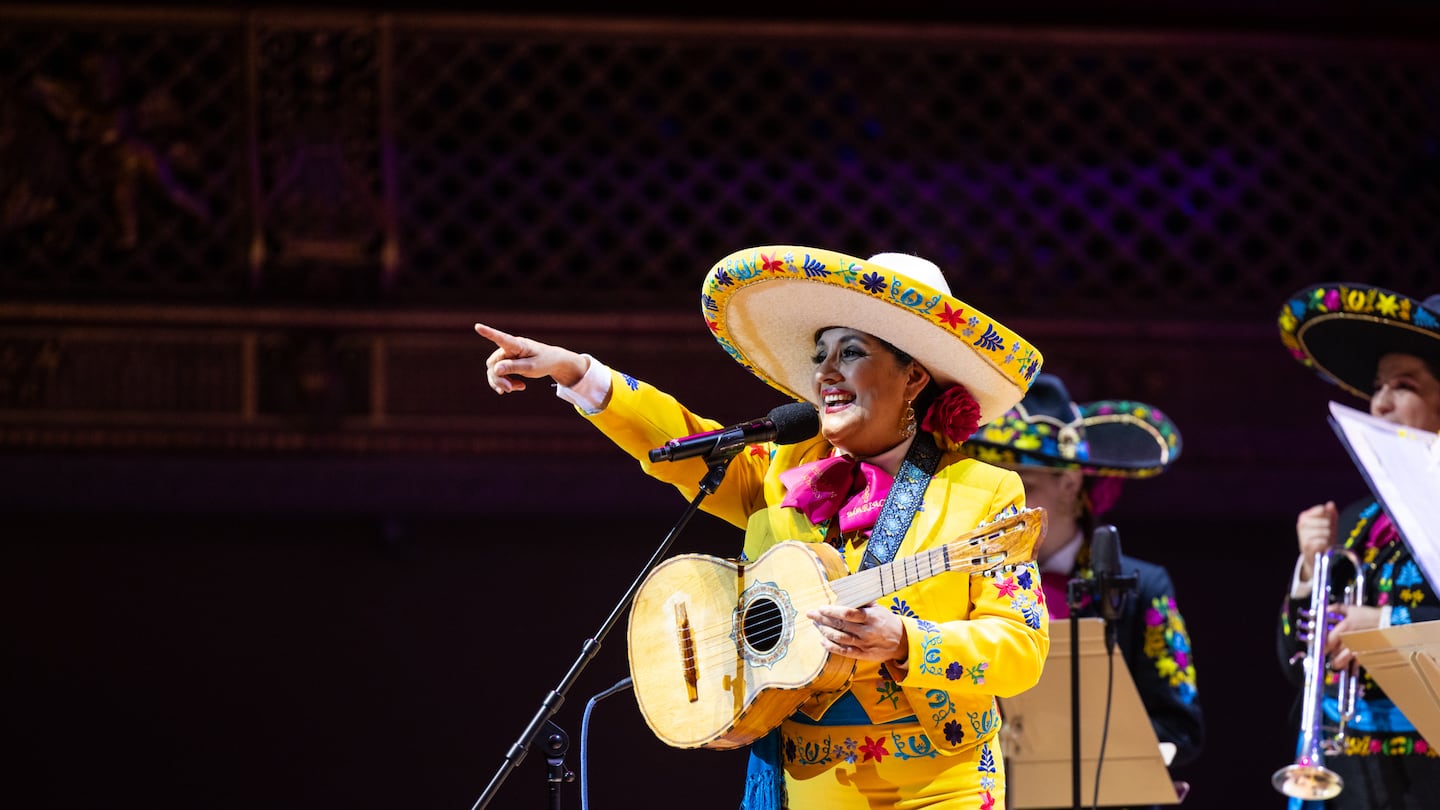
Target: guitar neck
x=869, y=585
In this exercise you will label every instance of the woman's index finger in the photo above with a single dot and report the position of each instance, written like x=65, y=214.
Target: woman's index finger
x=504, y=340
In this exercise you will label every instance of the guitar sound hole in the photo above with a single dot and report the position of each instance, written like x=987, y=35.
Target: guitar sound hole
x=763, y=625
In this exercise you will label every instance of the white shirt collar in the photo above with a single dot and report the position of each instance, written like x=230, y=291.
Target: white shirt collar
x=1063, y=561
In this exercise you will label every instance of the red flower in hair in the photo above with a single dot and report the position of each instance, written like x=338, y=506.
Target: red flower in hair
x=953, y=417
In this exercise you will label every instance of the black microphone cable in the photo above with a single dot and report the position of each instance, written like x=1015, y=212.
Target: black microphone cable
x=1104, y=726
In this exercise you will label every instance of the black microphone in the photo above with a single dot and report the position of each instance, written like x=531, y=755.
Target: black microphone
x=1111, y=586
x=786, y=424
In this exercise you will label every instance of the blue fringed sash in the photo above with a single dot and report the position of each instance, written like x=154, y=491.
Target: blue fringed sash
x=764, y=781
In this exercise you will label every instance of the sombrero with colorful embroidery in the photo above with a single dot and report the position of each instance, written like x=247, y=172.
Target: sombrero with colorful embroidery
x=1342, y=330
x=766, y=304
x=1111, y=438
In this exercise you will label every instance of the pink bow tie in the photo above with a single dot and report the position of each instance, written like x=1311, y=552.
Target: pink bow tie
x=855, y=490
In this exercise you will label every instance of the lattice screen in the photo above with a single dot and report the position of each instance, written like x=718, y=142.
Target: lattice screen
x=578, y=166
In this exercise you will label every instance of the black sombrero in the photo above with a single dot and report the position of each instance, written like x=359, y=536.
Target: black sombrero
x=1109, y=438
x=1342, y=330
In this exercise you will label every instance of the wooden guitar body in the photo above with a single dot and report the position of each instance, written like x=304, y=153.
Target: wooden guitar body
x=721, y=651
x=721, y=654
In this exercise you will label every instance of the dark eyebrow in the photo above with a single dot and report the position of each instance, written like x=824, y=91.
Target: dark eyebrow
x=850, y=337
x=1407, y=374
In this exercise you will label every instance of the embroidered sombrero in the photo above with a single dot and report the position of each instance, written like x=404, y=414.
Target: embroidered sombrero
x=1342, y=330
x=1109, y=438
x=765, y=304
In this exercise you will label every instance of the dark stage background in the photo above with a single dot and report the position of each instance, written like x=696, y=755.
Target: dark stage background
x=266, y=539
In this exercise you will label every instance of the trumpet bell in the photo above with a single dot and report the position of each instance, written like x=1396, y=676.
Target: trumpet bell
x=1309, y=782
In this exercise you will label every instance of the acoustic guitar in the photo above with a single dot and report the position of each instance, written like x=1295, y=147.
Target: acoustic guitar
x=721, y=651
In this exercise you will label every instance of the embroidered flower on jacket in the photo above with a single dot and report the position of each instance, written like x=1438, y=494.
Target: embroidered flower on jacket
x=1028, y=608
x=954, y=734
x=1167, y=645
x=954, y=672
x=889, y=690
x=1006, y=588
x=900, y=607
x=874, y=749
x=987, y=760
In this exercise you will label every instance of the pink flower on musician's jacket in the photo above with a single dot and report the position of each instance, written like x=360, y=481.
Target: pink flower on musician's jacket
x=874, y=749
x=1007, y=587
x=988, y=802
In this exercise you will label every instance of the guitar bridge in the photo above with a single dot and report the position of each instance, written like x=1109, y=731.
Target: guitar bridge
x=687, y=652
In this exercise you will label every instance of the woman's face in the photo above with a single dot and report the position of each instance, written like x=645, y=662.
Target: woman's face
x=1406, y=393
x=863, y=389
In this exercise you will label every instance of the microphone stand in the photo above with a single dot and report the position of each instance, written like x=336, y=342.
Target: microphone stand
x=557, y=743
x=551, y=703
x=1074, y=590
x=1109, y=590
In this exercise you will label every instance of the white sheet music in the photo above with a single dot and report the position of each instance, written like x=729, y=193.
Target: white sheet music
x=1402, y=466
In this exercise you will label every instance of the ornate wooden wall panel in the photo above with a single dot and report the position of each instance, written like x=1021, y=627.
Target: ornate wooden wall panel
x=253, y=231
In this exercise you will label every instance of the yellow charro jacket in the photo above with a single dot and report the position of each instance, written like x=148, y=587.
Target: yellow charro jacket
x=963, y=652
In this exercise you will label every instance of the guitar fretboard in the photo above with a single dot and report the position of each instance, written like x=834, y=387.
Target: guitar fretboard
x=967, y=555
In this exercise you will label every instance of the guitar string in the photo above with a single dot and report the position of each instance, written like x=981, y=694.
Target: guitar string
x=965, y=557
x=720, y=642
x=719, y=636
x=850, y=588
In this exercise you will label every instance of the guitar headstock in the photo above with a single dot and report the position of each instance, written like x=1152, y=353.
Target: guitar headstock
x=1008, y=541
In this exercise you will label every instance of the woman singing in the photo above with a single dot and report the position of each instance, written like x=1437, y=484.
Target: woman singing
x=902, y=373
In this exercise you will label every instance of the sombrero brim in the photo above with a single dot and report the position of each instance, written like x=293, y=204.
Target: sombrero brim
x=1122, y=439
x=765, y=304
x=1342, y=331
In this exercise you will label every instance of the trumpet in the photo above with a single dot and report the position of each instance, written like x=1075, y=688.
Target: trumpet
x=1308, y=778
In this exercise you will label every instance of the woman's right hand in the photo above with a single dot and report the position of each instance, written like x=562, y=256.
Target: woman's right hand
x=517, y=358
x=1316, y=529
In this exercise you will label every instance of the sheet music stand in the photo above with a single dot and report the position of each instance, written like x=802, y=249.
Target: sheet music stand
x=1035, y=737
x=1402, y=468
x=1405, y=661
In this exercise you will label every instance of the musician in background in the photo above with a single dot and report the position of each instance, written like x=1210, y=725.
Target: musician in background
x=1073, y=458
x=902, y=372
x=1383, y=347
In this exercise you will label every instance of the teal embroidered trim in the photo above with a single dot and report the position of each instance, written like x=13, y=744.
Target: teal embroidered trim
x=904, y=500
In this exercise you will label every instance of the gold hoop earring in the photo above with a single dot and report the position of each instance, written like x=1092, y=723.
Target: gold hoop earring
x=907, y=422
